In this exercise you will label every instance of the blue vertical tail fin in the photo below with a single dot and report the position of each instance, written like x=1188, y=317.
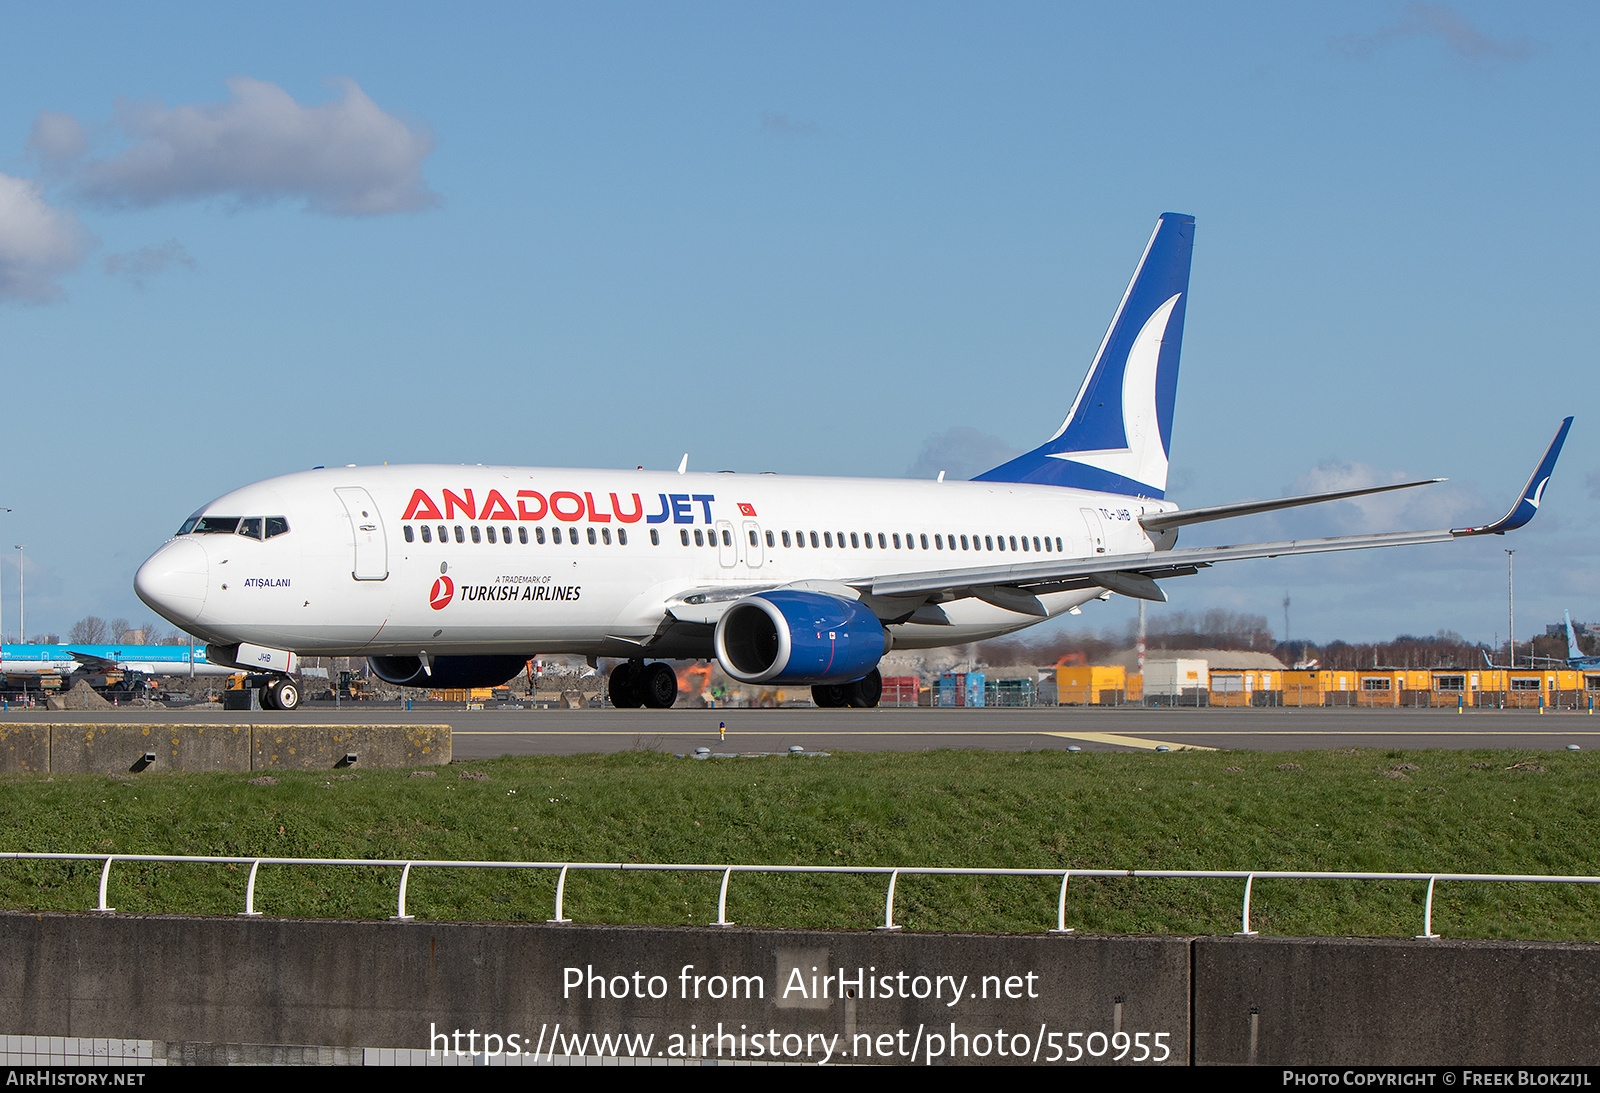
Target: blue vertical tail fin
x=1118, y=433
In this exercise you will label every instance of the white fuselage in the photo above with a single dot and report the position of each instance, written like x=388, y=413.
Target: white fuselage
x=519, y=560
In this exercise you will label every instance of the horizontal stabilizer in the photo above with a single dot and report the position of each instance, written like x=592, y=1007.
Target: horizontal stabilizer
x=1161, y=521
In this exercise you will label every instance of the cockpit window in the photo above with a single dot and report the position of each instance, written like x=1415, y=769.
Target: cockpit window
x=188, y=525
x=250, y=527
x=276, y=525
x=217, y=525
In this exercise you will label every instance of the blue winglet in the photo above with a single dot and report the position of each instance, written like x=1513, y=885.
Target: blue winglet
x=1527, y=505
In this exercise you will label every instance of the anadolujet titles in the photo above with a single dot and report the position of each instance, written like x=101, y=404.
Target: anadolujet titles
x=454, y=576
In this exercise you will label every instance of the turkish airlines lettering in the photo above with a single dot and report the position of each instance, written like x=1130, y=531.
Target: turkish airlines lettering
x=451, y=576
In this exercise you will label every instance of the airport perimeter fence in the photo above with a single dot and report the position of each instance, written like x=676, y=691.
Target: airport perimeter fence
x=893, y=873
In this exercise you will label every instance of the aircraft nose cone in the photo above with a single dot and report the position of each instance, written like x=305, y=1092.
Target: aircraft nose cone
x=173, y=581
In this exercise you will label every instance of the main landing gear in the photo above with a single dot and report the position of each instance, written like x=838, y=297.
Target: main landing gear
x=634, y=683
x=862, y=694
x=279, y=693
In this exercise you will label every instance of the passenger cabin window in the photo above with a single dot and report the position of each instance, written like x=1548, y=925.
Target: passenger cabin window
x=490, y=529
x=538, y=536
x=408, y=533
x=771, y=542
x=476, y=538
x=461, y=536
x=683, y=533
x=522, y=536
x=427, y=535
x=572, y=535
x=655, y=537
x=622, y=536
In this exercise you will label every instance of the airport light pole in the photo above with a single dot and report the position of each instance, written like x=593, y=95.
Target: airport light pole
x=22, y=602
x=19, y=577
x=1511, y=614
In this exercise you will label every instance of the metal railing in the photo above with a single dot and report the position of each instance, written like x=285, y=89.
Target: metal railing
x=892, y=872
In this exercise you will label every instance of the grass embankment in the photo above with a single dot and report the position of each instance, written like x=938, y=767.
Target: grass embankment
x=1388, y=811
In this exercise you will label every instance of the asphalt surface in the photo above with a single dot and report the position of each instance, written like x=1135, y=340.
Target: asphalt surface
x=493, y=732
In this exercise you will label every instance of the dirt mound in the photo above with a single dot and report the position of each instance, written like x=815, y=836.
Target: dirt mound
x=81, y=697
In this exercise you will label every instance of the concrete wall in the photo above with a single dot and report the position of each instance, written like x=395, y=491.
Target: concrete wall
x=405, y=984
x=389, y=984
x=118, y=748
x=1396, y=1001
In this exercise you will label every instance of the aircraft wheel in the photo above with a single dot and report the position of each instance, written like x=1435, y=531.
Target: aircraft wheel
x=623, y=686
x=865, y=692
x=285, y=694
x=829, y=696
x=268, y=700
x=659, y=686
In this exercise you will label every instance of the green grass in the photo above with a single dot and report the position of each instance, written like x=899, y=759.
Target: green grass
x=1454, y=812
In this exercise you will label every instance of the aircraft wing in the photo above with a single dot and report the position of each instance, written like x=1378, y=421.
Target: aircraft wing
x=94, y=663
x=1018, y=586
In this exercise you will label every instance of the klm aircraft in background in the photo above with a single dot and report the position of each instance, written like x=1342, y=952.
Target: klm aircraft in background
x=63, y=660
x=1575, y=656
x=453, y=576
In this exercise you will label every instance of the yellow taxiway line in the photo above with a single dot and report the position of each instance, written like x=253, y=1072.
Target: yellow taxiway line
x=1127, y=741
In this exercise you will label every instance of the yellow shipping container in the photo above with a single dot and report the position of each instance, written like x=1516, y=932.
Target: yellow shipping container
x=1090, y=685
x=1239, y=686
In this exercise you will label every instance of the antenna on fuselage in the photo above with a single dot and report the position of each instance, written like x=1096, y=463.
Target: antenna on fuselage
x=683, y=464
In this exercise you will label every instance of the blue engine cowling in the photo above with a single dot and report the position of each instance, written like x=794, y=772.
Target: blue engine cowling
x=447, y=671
x=799, y=637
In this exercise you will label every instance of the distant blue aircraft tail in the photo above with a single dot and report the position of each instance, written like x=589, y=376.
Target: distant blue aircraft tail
x=1119, y=430
x=1573, y=652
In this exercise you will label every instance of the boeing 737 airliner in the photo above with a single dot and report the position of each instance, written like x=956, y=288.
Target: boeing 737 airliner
x=453, y=576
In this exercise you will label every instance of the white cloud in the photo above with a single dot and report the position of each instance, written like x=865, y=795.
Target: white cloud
x=38, y=243
x=146, y=262
x=784, y=126
x=346, y=157
x=1446, y=25
x=57, y=139
x=1422, y=508
x=960, y=452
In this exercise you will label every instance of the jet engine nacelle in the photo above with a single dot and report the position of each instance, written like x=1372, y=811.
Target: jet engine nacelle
x=447, y=671
x=799, y=637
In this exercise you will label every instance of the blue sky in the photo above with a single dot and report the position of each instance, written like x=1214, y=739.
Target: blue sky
x=242, y=240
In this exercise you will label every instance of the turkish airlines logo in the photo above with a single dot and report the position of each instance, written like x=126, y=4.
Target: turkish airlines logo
x=444, y=589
